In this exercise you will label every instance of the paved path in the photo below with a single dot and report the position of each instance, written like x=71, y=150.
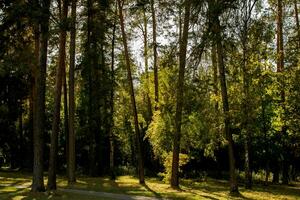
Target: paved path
x=108, y=195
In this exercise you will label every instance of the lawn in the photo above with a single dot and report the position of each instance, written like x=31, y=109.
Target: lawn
x=13, y=188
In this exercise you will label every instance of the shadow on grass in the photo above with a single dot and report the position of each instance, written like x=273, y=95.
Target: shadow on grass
x=279, y=190
x=152, y=191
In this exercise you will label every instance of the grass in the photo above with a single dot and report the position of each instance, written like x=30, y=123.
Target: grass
x=209, y=189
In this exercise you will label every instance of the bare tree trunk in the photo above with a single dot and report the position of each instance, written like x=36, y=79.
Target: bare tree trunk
x=232, y=171
x=280, y=52
x=136, y=123
x=71, y=140
x=155, y=65
x=246, y=110
x=179, y=96
x=66, y=114
x=57, y=102
x=280, y=70
x=111, y=133
x=39, y=105
x=145, y=34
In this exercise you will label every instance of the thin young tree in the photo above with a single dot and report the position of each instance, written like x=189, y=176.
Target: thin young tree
x=132, y=96
x=179, y=96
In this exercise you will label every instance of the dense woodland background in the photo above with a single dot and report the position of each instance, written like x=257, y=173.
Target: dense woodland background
x=169, y=88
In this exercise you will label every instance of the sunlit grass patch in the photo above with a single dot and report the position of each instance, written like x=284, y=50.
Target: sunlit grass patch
x=189, y=189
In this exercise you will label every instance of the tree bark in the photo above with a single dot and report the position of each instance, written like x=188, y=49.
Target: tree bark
x=297, y=21
x=72, y=139
x=280, y=70
x=280, y=52
x=90, y=46
x=57, y=101
x=246, y=110
x=66, y=114
x=111, y=133
x=221, y=64
x=179, y=96
x=39, y=106
x=129, y=77
x=155, y=65
x=145, y=34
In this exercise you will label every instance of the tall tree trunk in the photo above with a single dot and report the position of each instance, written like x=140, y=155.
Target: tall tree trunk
x=179, y=96
x=280, y=70
x=155, y=65
x=221, y=64
x=111, y=133
x=39, y=106
x=246, y=110
x=136, y=123
x=90, y=40
x=246, y=107
x=71, y=140
x=57, y=101
x=145, y=34
x=66, y=114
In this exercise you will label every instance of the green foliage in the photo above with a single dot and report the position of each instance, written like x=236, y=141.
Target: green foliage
x=166, y=175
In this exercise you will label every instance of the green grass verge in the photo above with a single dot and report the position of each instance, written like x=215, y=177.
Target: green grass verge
x=194, y=190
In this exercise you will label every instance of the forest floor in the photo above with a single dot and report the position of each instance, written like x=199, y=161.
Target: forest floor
x=16, y=186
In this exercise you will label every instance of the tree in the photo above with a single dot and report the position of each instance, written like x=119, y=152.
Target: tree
x=179, y=95
x=155, y=67
x=63, y=13
x=247, y=8
x=145, y=37
x=297, y=21
x=280, y=70
x=39, y=110
x=112, y=94
x=72, y=138
x=216, y=10
x=133, y=104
